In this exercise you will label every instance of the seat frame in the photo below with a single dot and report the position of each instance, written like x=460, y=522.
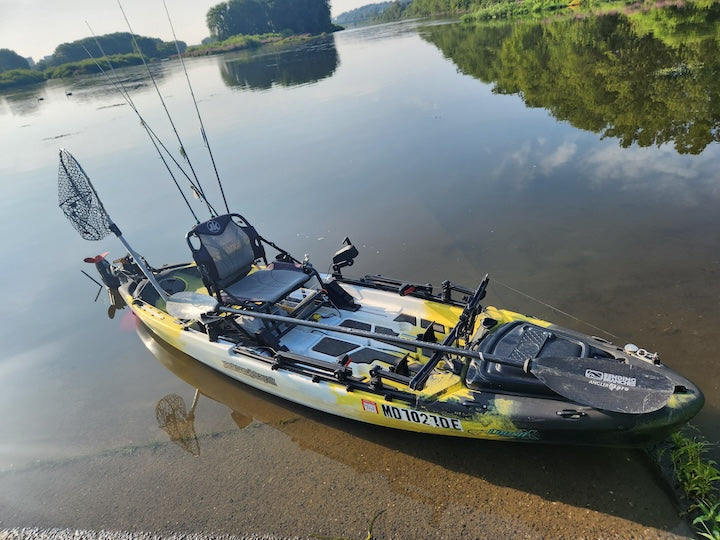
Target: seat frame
x=239, y=280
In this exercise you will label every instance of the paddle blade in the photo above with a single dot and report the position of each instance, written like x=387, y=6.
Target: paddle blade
x=605, y=384
x=190, y=305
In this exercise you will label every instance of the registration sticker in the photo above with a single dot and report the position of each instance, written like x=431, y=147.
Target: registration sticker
x=419, y=417
x=369, y=406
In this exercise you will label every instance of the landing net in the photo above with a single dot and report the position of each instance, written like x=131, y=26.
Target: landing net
x=78, y=200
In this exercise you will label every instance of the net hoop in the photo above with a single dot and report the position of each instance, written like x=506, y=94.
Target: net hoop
x=79, y=201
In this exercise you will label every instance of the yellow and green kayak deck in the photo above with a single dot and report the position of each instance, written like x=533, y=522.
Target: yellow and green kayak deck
x=338, y=373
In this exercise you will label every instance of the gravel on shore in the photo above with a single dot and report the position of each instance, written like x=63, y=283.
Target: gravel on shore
x=80, y=534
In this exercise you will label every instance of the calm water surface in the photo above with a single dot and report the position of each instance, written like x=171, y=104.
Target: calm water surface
x=444, y=153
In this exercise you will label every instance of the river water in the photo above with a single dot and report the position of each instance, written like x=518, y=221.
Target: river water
x=575, y=161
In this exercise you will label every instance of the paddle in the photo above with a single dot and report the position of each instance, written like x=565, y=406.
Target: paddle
x=596, y=382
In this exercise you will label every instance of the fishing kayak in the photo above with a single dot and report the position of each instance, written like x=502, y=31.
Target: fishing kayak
x=380, y=350
x=363, y=351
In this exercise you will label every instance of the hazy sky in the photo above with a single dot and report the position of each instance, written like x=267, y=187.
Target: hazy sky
x=35, y=27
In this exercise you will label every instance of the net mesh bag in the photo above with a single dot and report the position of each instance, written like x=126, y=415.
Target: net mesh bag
x=78, y=200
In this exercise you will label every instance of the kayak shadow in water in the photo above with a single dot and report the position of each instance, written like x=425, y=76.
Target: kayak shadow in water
x=443, y=472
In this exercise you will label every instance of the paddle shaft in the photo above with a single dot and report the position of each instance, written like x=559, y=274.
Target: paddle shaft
x=373, y=335
x=602, y=383
x=570, y=380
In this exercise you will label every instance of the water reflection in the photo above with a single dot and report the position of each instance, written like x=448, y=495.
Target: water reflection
x=177, y=422
x=84, y=89
x=421, y=466
x=23, y=102
x=134, y=80
x=290, y=67
x=645, y=78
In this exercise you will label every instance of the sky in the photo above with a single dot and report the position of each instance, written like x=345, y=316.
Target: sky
x=35, y=27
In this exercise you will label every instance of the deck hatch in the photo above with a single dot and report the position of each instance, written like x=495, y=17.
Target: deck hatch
x=334, y=347
x=358, y=325
x=367, y=356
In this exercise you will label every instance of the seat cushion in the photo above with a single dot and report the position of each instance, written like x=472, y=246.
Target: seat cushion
x=268, y=285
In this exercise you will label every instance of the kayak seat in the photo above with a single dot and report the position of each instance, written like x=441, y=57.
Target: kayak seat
x=519, y=341
x=227, y=250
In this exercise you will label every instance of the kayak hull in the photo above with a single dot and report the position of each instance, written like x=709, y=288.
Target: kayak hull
x=447, y=405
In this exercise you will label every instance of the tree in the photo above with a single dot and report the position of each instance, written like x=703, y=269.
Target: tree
x=237, y=17
x=12, y=60
x=259, y=16
x=111, y=44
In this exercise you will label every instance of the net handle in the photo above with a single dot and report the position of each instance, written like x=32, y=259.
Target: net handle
x=83, y=178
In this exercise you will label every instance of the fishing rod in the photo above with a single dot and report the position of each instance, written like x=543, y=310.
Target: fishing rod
x=151, y=134
x=154, y=138
x=197, y=110
x=558, y=310
x=167, y=112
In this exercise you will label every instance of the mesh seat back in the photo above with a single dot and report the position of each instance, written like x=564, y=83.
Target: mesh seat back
x=227, y=250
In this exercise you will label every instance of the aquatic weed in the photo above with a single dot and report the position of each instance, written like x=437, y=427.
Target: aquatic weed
x=696, y=475
x=372, y=523
x=707, y=524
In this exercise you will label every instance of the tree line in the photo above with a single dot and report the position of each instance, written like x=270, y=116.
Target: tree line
x=264, y=16
x=74, y=58
x=367, y=13
x=423, y=8
x=109, y=45
x=12, y=60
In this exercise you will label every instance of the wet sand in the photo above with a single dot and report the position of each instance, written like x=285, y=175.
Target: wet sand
x=229, y=492
x=271, y=467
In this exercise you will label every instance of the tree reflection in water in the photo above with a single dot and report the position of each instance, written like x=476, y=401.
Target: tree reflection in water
x=260, y=70
x=645, y=78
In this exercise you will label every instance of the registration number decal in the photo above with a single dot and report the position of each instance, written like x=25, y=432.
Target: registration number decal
x=419, y=417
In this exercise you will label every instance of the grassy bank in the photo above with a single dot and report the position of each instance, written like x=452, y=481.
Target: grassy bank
x=20, y=77
x=25, y=77
x=510, y=10
x=694, y=478
x=90, y=66
x=242, y=42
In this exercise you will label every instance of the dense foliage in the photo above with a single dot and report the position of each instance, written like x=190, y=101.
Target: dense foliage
x=367, y=13
x=234, y=43
x=639, y=77
x=424, y=8
x=20, y=77
x=12, y=60
x=262, y=16
x=87, y=66
x=110, y=45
